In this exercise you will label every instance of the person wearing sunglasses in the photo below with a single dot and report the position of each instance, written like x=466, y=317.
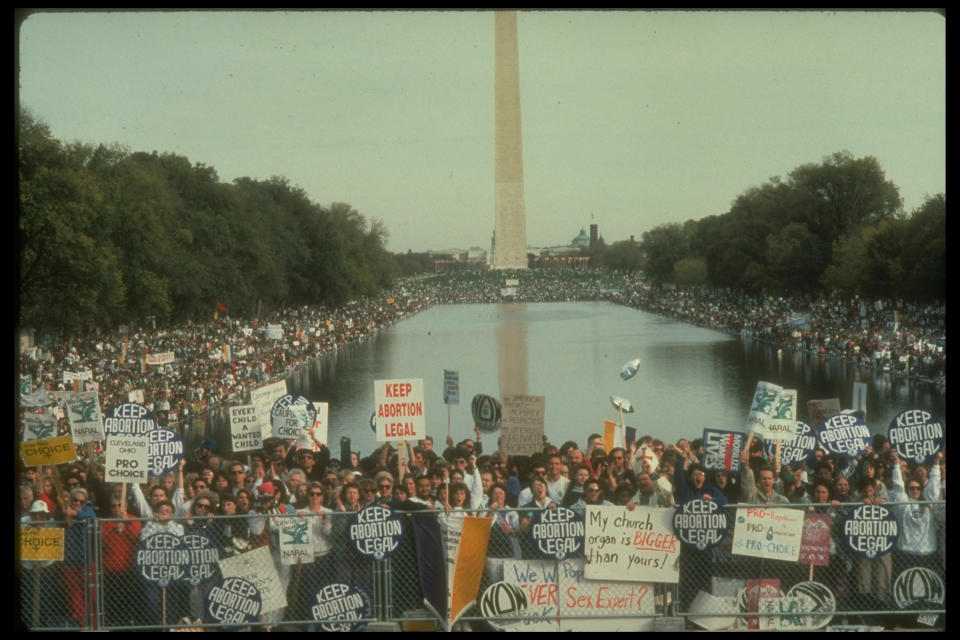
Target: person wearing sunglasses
x=917, y=540
x=319, y=572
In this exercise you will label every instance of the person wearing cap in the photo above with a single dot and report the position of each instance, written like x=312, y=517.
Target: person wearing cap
x=40, y=584
x=201, y=456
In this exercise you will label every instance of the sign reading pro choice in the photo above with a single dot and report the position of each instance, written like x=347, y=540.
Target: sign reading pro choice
x=399, y=414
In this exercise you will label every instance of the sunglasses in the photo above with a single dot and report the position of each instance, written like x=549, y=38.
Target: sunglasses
x=317, y=494
x=386, y=486
x=202, y=505
x=73, y=484
x=913, y=488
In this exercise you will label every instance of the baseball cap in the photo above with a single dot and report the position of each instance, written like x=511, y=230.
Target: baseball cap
x=39, y=506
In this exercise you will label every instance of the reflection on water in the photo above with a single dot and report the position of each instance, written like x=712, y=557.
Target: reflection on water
x=572, y=353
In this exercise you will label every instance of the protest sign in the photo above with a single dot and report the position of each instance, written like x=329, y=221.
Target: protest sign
x=916, y=435
x=798, y=450
x=161, y=559
x=502, y=599
x=487, y=412
x=754, y=592
x=721, y=450
x=291, y=415
x=244, y=429
x=451, y=387
x=768, y=533
x=165, y=452
x=399, y=409
x=129, y=419
x=557, y=533
x=234, y=601
x=815, y=540
x=870, y=531
x=39, y=426
x=763, y=407
x=341, y=607
x=41, y=543
x=203, y=558
x=560, y=597
x=296, y=544
x=522, y=426
x=637, y=545
x=465, y=542
x=160, y=358
x=321, y=428
x=783, y=424
x=820, y=410
x=49, y=451
x=127, y=459
x=257, y=566
x=707, y=611
x=816, y=606
x=844, y=434
x=701, y=523
x=376, y=532
x=274, y=331
x=263, y=399
x=86, y=420
x=920, y=588
x=70, y=376
x=135, y=395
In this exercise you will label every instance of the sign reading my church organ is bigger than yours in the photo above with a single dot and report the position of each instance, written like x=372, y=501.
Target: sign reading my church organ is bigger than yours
x=399, y=413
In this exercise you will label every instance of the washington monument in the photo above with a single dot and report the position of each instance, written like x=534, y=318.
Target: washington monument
x=510, y=228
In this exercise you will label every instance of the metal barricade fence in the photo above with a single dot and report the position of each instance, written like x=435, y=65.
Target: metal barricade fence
x=98, y=584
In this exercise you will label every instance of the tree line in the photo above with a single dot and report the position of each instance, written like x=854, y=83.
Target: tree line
x=833, y=227
x=108, y=236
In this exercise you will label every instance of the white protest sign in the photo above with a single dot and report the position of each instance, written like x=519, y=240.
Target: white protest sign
x=768, y=533
x=763, y=407
x=561, y=589
x=70, y=376
x=263, y=398
x=160, y=358
x=291, y=415
x=127, y=459
x=637, y=545
x=320, y=428
x=39, y=426
x=399, y=409
x=295, y=542
x=244, y=429
x=783, y=425
x=136, y=395
x=86, y=420
x=257, y=566
x=451, y=387
x=521, y=425
x=275, y=331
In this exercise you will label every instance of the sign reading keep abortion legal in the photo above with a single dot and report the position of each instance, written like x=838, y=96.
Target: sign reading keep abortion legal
x=399, y=409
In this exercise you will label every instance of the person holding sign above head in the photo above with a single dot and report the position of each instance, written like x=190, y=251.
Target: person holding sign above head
x=917, y=542
x=690, y=483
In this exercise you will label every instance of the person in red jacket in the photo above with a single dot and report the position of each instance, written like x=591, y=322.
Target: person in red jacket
x=121, y=587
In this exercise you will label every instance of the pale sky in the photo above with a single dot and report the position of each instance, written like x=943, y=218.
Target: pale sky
x=630, y=119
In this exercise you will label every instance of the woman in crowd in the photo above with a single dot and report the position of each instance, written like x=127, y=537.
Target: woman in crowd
x=121, y=585
x=318, y=573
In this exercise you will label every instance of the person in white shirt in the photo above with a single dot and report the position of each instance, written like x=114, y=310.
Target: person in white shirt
x=557, y=483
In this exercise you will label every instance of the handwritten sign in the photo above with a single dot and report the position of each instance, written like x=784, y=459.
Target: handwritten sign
x=41, y=543
x=845, y=435
x=701, y=523
x=127, y=459
x=871, y=531
x=86, y=421
x=796, y=451
x=49, y=451
x=560, y=597
x=245, y=432
x=399, y=409
x=815, y=540
x=341, y=607
x=721, y=450
x=557, y=533
x=637, y=545
x=768, y=533
x=916, y=435
x=376, y=532
x=522, y=425
x=234, y=601
x=766, y=399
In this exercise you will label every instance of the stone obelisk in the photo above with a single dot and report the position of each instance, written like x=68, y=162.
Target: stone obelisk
x=510, y=228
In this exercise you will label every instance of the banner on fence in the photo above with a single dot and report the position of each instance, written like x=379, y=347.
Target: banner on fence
x=637, y=545
x=86, y=420
x=768, y=533
x=522, y=424
x=234, y=601
x=721, y=450
x=344, y=603
x=555, y=589
x=244, y=429
x=870, y=531
x=257, y=566
x=815, y=540
x=399, y=409
x=376, y=532
x=557, y=533
x=700, y=523
x=466, y=546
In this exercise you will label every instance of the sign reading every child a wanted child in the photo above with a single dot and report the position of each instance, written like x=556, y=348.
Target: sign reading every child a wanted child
x=245, y=432
x=399, y=409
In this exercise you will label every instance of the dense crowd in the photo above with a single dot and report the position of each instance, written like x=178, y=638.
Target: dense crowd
x=223, y=359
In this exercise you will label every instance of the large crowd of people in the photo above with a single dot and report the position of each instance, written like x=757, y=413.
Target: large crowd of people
x=471, y=476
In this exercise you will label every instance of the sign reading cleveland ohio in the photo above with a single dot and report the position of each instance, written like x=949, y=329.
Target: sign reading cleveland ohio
x=399, y=414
